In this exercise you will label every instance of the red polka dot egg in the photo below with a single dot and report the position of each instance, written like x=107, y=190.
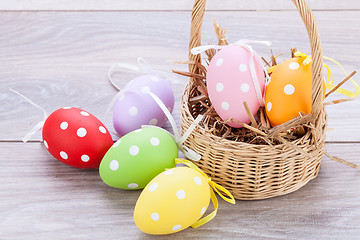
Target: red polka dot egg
x=289, y=91
x=230, y=83
x=76, y=137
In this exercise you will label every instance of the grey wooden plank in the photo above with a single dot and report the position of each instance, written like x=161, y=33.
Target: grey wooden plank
x=61, y=59
x=44, y=199
x=111, y=5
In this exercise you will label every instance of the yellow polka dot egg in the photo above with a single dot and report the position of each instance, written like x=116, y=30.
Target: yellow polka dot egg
x=172, y=201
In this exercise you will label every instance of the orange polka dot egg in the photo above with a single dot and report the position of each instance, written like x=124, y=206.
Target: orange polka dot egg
x=172, y=201
x=289, y=91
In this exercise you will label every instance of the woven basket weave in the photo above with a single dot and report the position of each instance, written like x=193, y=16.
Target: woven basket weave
x=252, y=171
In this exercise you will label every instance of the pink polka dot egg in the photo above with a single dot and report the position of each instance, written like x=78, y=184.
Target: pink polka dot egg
x=76, y=137
x=135, y=107
x=230, y=83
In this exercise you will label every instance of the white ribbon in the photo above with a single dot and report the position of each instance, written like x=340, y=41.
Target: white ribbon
x=143, y=67
x=39, y=125
x=178, y=138
x=245, y=44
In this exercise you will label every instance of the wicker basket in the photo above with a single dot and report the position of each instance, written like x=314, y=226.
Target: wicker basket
x=252, y=171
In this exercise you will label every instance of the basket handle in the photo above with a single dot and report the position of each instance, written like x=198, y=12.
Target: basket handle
x=314, y=37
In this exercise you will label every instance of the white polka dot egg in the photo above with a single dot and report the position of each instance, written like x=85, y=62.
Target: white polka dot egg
x=76, y=137
x=230, y=83
x=172, y=201
x=135, y=107
x=136, y=158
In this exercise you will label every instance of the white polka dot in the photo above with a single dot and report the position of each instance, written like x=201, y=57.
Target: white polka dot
x=176, y=227
x=197, y=180
x=154, y=141
x=153, y=187
x=180, y=194
x=46, y=144
x=134, y=150
x=63, y=155
x=133, y=185
x=81, y=132
x=66, y=107
x=243, y=68
x=168, y=172
x=84, y=113
x=117, y=143
x=121, y=97
x=245, y=87
x=64, y=125
x=85, y=158
x=289, y=89
x=145, y=90
x=219, y=87
x=114, y=165
x=156, y=79
x=153, y=122
x=102, y=129
x=133, y=111
x=155, y=216
x=203, y=210
x=138, y=130
x=219, y=62
x=294, y=65
x=269, y=106
x=225, y=105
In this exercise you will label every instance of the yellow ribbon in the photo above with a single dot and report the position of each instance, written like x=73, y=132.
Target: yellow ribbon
x=343, y=91
x=213, y=186
x=330, y=83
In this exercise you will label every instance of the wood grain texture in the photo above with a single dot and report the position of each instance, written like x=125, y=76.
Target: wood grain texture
x=62, y=58
x=58, y=54
x=44, y=199
x=113, y=5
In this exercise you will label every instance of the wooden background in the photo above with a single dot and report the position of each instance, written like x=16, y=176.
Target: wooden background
x=58, y=54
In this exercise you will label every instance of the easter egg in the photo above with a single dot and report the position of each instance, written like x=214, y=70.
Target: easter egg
x=138, y=157
x=289, y=91
x=172, y=201
x=135, y=107
x=230, y=83
x=76, y=137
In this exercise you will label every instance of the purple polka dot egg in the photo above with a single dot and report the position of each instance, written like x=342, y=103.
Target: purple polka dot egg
x=230, y=83
x=135, y=107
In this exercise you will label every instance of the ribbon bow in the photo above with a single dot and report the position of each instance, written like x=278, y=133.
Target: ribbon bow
x=213, y=187
x=330, y=84
x=245, y=44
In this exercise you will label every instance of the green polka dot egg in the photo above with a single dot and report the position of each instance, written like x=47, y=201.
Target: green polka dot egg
x=139, y=156
x=172, y=201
